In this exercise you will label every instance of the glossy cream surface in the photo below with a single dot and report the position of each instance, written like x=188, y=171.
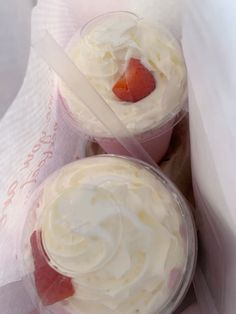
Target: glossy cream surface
x=114, y=228
x=102, y=54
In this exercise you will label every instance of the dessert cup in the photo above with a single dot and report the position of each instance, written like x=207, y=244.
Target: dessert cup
x=108, y=234
x=103, y=51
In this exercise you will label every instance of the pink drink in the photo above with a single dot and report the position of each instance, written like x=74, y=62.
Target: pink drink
x=103, y=51
x=155, y=142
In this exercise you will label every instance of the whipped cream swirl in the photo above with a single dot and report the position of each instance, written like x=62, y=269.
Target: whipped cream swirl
x=102, y=54
x=114, y=228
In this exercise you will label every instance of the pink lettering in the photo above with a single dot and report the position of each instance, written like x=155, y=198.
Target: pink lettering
x=53, y=140
x=42, y=163
x=47, y=139
x=31, y=181
x=27, y=162
x=3, y=220
x=7, y=203
x=36, y=148
x=48, y=154
x=12, y=188
x=48, y=116
x=36, y=173
x=10, y=193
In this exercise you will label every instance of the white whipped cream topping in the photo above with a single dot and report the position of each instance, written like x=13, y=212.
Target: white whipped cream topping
x=102, y=54
x=114, y=228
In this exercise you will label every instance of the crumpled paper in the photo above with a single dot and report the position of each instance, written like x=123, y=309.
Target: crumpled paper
x=209, y=46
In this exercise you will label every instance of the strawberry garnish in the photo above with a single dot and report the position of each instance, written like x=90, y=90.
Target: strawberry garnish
x=136, y=83
x=51, y=286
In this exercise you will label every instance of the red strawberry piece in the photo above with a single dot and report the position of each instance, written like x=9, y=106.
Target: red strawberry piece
x=51, y=286
x=135, y=84
x=37, y=250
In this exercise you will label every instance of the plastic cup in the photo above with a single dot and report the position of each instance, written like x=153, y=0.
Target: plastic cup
x=155, y=138
x=108, y=234
x=155, y=142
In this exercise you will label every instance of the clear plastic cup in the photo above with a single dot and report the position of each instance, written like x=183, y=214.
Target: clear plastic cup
x=151, y=119
x=108, y=234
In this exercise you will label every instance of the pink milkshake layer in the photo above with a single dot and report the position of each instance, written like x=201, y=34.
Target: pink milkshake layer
x=139, y=70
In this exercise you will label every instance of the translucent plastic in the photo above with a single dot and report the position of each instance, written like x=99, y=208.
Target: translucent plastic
x=34, y=141
x=154, y=140
x=209, y=46
x=175, y=165
x=49, y=196
x=54, y=55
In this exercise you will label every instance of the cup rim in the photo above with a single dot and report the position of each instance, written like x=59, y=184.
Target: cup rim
x=175, y=115
x=191, y=251
x=165, y=125
x=101, y=16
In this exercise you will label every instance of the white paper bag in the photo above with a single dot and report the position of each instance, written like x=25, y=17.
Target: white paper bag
x=210, y=49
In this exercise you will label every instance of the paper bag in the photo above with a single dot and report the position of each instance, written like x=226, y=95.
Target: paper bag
x=35, y=141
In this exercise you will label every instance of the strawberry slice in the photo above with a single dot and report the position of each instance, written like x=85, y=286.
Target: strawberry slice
x=135, y=84
x=51, y=286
